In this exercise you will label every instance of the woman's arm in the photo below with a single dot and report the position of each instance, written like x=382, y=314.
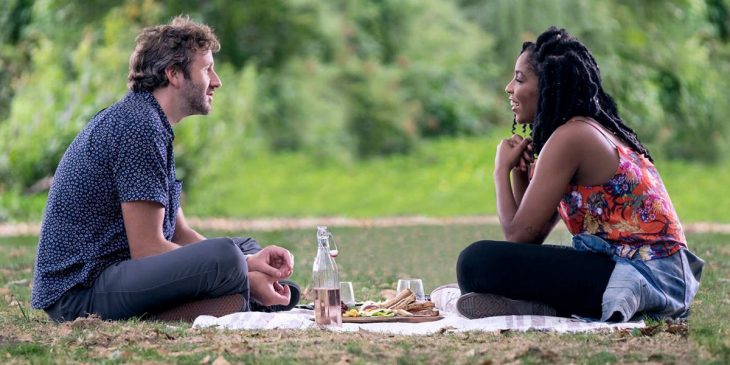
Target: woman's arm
x=521, y=172
x=531, y=218
x=520, y=181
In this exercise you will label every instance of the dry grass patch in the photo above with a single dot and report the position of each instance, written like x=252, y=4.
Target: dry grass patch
x=94, y=340
x=367, y=257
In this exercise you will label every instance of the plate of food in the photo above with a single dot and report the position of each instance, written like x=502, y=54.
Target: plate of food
x=402, y=308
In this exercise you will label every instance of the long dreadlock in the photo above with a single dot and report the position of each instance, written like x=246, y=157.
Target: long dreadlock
x=570, y=85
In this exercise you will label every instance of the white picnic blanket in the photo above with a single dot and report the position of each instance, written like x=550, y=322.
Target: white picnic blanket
x=452, y=322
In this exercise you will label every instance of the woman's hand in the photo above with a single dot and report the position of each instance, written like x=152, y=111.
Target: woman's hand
x=274, y=261
x=513, y=153
x=526, y=159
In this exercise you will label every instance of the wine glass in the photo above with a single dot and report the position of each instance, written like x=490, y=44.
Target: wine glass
x=347, y=295
x=416, y=285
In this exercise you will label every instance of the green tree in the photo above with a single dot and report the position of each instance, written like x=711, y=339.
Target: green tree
x=349, y=79
x=64, y=89
x=15, y=48
x=660, y=60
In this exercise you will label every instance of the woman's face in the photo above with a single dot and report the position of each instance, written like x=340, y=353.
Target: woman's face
x=522, y=91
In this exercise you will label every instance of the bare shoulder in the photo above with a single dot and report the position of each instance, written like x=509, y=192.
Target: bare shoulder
x=571, y=136
x=577, y=135
x=575, y=127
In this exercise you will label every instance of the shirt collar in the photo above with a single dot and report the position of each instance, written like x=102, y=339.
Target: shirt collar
x=148, y=98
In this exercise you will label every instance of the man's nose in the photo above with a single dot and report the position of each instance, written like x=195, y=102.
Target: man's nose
x=215, y=81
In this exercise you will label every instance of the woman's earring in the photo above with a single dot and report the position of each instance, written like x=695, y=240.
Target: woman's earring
x=514, y=126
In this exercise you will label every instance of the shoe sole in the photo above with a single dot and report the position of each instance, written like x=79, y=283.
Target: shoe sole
x=477, y=305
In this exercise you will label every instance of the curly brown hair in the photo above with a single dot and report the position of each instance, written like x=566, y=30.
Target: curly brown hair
x=168, y=45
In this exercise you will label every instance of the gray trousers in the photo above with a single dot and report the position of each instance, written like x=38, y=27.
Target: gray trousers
x=207, y=269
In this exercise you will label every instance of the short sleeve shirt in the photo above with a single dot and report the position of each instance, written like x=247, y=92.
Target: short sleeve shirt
x=124, y=154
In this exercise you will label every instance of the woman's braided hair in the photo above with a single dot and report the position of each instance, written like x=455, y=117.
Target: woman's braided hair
x=569, y=86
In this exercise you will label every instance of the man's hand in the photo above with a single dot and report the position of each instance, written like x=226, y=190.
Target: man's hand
x=267, y=290
x=273, y=261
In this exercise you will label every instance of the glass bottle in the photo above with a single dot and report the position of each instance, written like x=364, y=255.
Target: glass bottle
x=326, y=283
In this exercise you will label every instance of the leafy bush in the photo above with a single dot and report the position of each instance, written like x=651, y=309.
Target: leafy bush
x=58, y=98
x=352, y=79
x=378, y=118
x=452, y=82
x=664, y=62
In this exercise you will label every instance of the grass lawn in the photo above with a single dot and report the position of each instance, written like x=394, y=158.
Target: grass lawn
x=373, y=259
x=442, y=178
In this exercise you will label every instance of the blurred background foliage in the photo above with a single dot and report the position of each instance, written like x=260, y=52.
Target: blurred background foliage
x=347, y=81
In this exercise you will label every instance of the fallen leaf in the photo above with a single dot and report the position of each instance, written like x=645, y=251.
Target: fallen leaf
x=63, y=330
x=25, y=337
x=87, y=322
x=344, y=360
x=650, y=330
x=221, y=361
x=118, y=355
x=677, y=328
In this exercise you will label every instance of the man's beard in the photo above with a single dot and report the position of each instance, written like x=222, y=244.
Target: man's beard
x=196, y=98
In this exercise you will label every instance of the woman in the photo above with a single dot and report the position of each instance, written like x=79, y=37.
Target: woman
x=629, y=254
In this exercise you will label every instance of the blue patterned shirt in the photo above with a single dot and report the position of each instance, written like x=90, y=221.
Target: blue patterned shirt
x=124, y=154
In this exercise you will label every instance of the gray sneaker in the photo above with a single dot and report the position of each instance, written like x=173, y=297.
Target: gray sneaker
x=477, y=305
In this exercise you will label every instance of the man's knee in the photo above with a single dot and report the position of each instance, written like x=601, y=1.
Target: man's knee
x=227, y=255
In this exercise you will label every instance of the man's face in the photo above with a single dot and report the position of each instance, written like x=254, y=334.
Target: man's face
x=198, y=90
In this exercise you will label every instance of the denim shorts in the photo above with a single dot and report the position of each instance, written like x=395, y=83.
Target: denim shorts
x=658, y=288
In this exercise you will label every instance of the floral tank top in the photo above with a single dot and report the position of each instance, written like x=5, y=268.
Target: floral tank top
x=632, y=211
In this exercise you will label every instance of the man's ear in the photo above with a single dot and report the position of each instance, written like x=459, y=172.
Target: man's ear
x=174, y=75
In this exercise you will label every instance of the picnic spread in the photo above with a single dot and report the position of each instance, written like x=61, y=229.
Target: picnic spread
x=408, y=312
x=437, y=315
x=450, y=322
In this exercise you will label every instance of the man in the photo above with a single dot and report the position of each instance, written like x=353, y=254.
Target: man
x=114, y=241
